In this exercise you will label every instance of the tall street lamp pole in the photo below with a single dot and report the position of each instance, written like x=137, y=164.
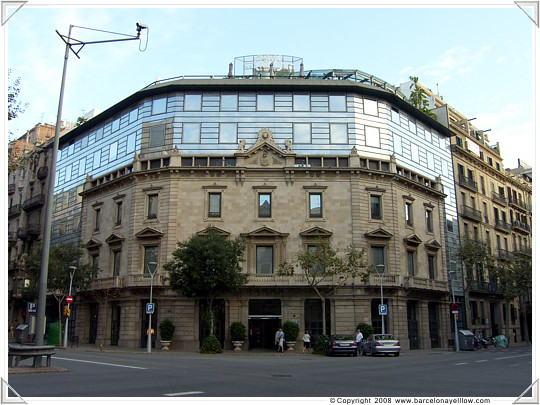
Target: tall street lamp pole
x=71, y=274
x=456, y=332
x=149, y=266
x=42, y=289
x=381, y=269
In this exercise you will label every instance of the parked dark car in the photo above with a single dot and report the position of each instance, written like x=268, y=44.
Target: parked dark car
x=342, y=344
x=377, y=344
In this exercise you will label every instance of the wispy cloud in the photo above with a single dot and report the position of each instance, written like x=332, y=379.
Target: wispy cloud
x=453, y=62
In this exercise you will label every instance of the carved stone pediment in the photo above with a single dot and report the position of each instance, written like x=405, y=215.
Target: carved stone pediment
x=149, y=233
x=264, y=232
x=93, y=244
x=378, y=234
x=412, y=239
x=115, y=239
x=433, y=245
x=214, y=228
x=265, y=152
x=315, y=232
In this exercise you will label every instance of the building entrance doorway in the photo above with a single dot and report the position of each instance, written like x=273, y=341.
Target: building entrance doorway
x=264, y=332
x=264, y=320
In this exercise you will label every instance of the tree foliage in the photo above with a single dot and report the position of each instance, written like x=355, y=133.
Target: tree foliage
x=207, y=266
x=418, y=97
x=15, y=106
x=325, y=271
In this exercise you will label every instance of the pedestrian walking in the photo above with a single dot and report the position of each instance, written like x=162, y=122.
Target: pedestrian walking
x=307, y=342
x=276, y=340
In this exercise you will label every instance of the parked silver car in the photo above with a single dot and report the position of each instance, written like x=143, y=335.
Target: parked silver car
x=381, y=344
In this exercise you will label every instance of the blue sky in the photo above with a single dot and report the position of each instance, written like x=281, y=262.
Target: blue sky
x=479, y=58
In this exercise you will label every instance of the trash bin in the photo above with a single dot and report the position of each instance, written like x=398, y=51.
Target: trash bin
x=21, y=333
x=501, y=341
x=466, y=340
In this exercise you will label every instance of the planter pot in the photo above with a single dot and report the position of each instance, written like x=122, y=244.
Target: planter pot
x=237, y=345
x=290, y=346
x=165, y=344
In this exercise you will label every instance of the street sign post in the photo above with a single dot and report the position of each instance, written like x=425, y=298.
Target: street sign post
x=31, y=308
x=149, y=309
x=383, y=309
x=69, y=299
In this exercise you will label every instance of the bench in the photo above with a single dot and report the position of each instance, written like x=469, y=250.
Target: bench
x=20, y=352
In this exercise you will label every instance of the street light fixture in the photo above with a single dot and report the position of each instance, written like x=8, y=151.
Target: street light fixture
x=46, y=241
x=380, y=269
x=456, y=332
x=149, y=266
x=71, y=274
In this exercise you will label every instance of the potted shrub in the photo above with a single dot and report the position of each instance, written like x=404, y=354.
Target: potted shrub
x=291, y=330
x=238, y=334
x=166, y=333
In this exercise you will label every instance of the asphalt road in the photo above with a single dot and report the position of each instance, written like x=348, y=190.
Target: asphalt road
x=485, y=373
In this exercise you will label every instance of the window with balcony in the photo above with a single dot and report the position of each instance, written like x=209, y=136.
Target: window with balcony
x=150, y=256
x=265, y=260
x=411, y=263
x=117, y=255
x=432, y=267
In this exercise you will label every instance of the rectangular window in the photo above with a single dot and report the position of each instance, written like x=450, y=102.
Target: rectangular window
x=395, y=115
x=265, y=205
x=375, y=203
x=229, y=102
x=337, y=102
x=97, y=214
x=152, y=206
x=117, y=254
x=118, y=213
x=432, y=267
x=113, y=151
x=133, y=115
x=373, y=137
x=159, y=105
x=157, y=135
x=82, y=166
x=265, y=260
x=370, y=107
x=150, y=256
x=301, y=102
x=302, y=133
x=377, y=255
x=315, y=205
x=193, y=102
x=411, y=266
x=338, y=133
x=115, y=125
x=214, y=205
x=429, y=221
x=408, y=214
x=192, y=133
x=130, y=143
x=265, y=102
x=228, y=133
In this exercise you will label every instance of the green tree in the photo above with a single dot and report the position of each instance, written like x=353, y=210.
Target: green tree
x=15, y=106
x=418, y=97
x=207, y=266
x=515, y=281
x=61, y=257
x=476, y=259
x=325, y=271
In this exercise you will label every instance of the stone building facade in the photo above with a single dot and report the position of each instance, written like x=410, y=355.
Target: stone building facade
x=280, y=162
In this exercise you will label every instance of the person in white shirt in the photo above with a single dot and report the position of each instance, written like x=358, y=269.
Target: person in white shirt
x=359, y=339
x=307, y=342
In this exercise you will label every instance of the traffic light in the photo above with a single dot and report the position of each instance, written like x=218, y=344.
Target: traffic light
x=67, y=311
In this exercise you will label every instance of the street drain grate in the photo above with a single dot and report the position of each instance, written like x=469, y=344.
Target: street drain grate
x=282, y=375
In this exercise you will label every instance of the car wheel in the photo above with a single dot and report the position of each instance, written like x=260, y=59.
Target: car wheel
x=396, y=354
x=355, y=354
